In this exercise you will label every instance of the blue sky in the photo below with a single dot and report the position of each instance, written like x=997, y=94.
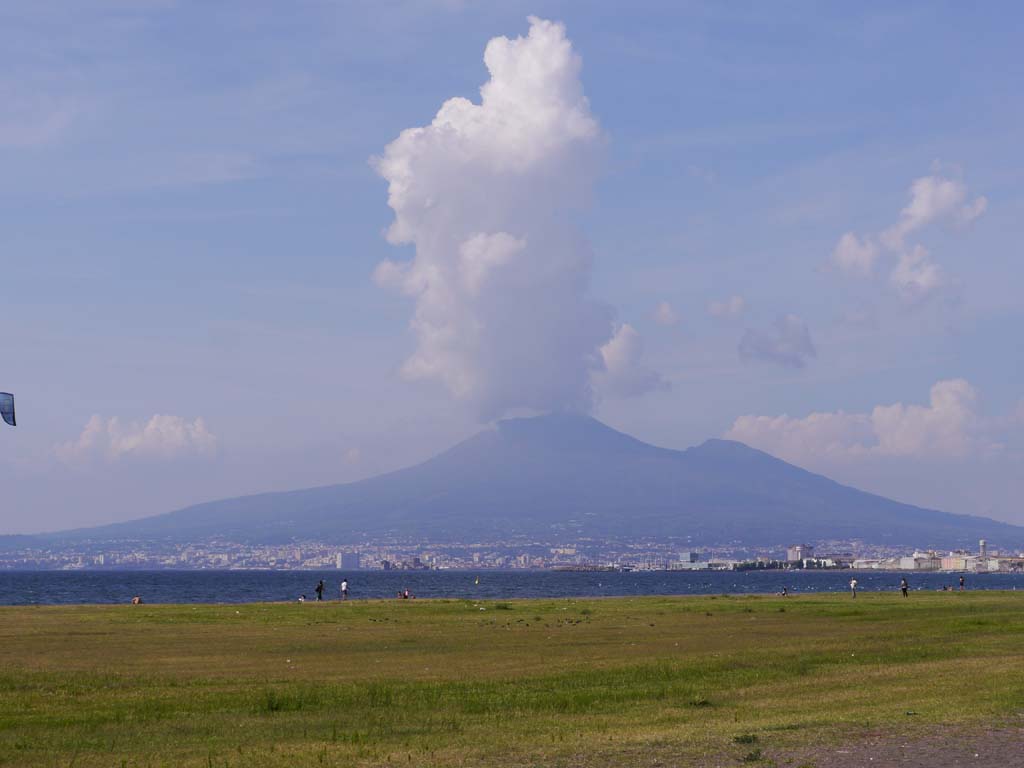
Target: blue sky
x=190, y=225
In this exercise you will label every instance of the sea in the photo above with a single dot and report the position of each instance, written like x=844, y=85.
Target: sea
x=213, y=586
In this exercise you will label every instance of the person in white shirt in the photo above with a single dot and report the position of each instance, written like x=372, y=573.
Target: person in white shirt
x=853, y=588
x=344, y=589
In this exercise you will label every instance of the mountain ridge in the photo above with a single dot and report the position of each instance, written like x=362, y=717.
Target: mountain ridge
x=568, y=476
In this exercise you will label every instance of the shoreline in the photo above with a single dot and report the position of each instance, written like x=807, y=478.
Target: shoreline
x=440, y=600
x=237, y=588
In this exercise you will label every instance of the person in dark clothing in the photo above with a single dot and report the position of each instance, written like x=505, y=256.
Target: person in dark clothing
x=904, y=586
x=961, y=583
x=320, y=591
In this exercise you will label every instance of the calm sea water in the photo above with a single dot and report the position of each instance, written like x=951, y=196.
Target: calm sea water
x=51, y=587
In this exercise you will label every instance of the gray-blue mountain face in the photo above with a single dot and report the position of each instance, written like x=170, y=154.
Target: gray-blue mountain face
x=563, y=477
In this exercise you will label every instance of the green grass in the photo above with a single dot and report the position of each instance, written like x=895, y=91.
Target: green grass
x=515, y=683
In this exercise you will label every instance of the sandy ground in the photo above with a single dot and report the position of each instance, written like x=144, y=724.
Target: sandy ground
x=941, y=748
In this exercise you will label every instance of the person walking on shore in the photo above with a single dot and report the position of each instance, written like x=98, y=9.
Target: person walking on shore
x=344, y=589
x=853, y=588
x=904, y=586
x=320, y=591
x=961, y=583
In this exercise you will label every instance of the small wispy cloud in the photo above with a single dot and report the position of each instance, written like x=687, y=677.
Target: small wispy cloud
x=915, y=276
x=162, y=436
x=33, y=116
x=855, y=255
x=787, y=343
x=198, y=168
x=665, y=314
x=933, y=198
x=731, y=307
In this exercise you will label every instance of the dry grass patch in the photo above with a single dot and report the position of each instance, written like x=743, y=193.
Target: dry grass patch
x=521, y=683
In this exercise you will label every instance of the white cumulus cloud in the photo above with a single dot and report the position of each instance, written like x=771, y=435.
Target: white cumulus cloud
x=486, y=193
x=787, y=343
x=914, y=276
x=855, y=255
x=836, y=434
x=163, y=436
x=625, y=374
x=933, y=198
x=949, y=426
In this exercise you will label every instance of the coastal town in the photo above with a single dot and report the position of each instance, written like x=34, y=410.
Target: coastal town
x=585, y=555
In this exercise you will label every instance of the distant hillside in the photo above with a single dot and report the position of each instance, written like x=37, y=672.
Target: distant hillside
x=568, y=476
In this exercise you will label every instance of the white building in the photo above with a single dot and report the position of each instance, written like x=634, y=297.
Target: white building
x=799, y=552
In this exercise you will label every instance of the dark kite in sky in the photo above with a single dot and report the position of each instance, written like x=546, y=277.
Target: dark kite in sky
x=7, y=408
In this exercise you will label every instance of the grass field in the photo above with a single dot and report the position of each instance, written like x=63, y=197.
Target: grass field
x=644, y=681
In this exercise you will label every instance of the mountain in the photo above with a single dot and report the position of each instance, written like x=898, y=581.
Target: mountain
x=566, y=476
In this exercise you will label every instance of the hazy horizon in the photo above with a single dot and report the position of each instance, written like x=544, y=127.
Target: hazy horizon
x=247, y=250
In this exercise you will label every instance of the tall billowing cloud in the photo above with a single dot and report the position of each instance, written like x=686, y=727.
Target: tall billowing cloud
x=487, y=195
x=163, y=436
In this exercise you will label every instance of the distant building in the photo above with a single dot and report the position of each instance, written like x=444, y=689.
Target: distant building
x=349, y=561
x=920, y=561
x=982, y=548
x=799, y=552
x=688, y=561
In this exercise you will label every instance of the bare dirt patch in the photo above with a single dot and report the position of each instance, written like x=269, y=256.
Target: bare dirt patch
x=942, y=747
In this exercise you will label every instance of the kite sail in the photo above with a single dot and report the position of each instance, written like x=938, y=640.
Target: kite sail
x=7, y=408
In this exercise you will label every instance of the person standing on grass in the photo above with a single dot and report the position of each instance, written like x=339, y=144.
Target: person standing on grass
x=904, y=586
x=853, y=588
x=961, y=583
x=344, y=589
x=320, y=591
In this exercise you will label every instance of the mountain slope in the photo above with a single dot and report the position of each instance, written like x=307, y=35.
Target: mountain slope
x=565, y=476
